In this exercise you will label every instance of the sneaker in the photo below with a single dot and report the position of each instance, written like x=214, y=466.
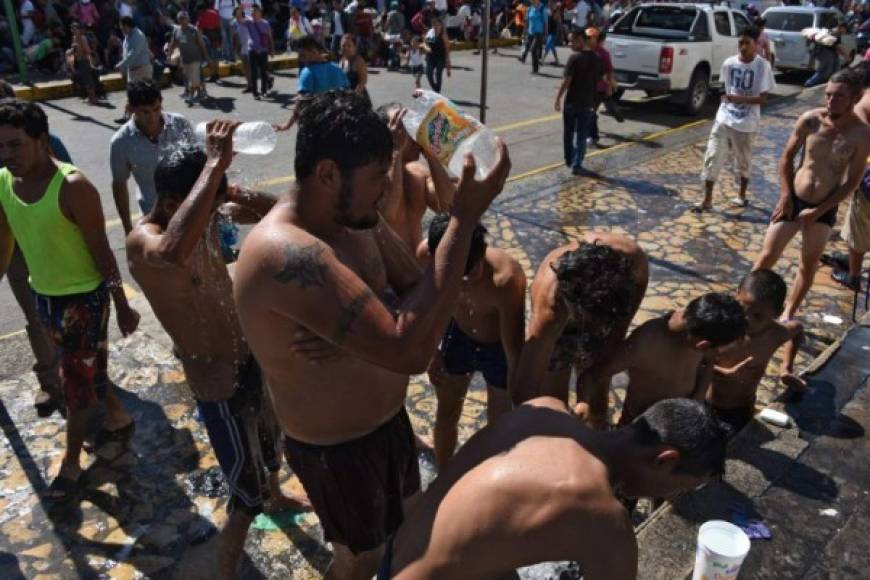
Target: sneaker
x=257, y=96
x=851, y=282
x=247, y=90
x=739, y=202
x=618, y=116
x=583, y=172
x=270, y=83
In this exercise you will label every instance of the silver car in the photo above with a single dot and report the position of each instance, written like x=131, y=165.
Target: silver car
x=783, y=27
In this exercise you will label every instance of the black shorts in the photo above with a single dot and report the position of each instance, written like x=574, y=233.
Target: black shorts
x=244, y=447
x=463, y=356
x=798, y=205
x=357, y=487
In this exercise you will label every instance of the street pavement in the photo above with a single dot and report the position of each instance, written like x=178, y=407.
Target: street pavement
x=140, y=510
x=520, y=109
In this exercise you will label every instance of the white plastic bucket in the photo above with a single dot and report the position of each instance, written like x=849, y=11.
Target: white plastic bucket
x=722, y=547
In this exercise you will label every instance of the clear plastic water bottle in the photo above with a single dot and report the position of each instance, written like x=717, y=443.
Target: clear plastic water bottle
x=448, y=133
x=253, y=138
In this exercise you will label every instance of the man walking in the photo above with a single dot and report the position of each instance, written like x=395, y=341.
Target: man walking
x=747, y=78
x=835, y=144
x=189, y=42
x=138, y=145
x=225, y=9
x=53, y=213
x=242, y=45
x=536, y=26
x=582, y=73
x=135, y=64
x=261, y=47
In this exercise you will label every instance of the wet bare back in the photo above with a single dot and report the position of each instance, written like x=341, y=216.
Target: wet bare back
x=194, y=303
x=519, y=492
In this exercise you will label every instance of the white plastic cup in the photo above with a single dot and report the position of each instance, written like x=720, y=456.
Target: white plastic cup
x=722, y=547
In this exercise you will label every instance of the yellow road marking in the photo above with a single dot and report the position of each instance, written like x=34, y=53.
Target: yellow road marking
x=527, y=123
x=11, y=334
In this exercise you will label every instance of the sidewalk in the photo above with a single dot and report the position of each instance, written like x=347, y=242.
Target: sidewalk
x=140, y=510
x=60, y=89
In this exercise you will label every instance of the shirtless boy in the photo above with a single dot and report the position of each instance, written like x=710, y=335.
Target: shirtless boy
x=316, y=263
x=539, y=486
x=584, y=297
x=174, y=255
x=485, y=334
x=671, y=356
x=414, y=185
x=835, y=145
x=740, y=365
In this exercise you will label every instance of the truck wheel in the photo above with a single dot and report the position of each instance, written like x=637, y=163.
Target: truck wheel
x=695, y=97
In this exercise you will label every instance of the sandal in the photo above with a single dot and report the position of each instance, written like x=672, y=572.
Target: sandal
x=701, y=208
x=122, y=435
x=738, y=202
x=62, y=488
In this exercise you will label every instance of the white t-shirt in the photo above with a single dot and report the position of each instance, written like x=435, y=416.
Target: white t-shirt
x=746, y=80
x=464, y=12
x=581, y=14
x=441, y=6
x=125, y=9
x=225, y=8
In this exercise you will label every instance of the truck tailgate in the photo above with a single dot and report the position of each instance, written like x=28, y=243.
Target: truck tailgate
x=633, y=54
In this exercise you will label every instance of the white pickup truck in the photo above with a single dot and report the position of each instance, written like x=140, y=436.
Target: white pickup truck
x=675, y=49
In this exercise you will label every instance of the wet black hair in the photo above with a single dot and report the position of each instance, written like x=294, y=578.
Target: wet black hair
x=850, y=77
x=127, y=21
x=597, y=278
x=438, y=226
x=309, y=43
x=143, y=93
x=386, y=110
x=766, y=286
x=24, y=115
x=178, y=171
x=716, y=317
x=340, y=125
x=751, y=32
x=690, y=427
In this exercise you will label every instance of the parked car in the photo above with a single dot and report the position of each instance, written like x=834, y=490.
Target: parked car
x=674, y=49
x=790, y=49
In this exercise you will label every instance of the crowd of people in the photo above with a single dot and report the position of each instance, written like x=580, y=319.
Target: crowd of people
x=339, y=296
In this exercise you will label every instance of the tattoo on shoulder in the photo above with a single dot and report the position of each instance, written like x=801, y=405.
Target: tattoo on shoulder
x=350, y=313
x=302, y=265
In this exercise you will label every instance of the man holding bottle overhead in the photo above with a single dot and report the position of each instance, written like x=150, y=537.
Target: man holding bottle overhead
x=321, y=262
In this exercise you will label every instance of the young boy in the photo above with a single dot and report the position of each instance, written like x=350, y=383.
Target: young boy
x=740, y=366
x=671, y=356
x=747, y=78
x=416, y=58
x=485, y=334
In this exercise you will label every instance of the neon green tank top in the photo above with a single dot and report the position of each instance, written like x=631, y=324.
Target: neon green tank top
x=54, y=248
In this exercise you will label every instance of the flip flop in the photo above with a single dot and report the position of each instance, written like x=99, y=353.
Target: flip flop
x=122, y=435
x=62, y=488
x=737, y=202
x=701, y=208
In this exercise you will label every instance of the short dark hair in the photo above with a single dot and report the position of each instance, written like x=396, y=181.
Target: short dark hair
x=864, y=68
x=309, y=43
x=178, y=171
x=690, y=427
x=438, y=226
x=143, y=93
x=850, y=77
x=602, y=35
x=340, y=125
x=716, y=317
x=751, y=32
x=24, y=115
x=127, y=21
x=767, y=286
x=601, y=279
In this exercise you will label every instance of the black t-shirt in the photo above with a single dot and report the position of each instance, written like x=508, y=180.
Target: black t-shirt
x=584, y=68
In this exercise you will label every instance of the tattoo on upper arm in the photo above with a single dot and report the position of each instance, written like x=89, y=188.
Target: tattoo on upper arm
x=302, y=265
x=349, y=314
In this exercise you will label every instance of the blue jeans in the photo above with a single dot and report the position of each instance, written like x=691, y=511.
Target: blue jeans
x=827, y=62
x=578, y=124
x=434, y=73
x=227, y=40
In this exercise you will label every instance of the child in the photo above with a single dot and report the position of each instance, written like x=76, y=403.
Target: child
x=415, y=59
x=671, y=356
x=740, y=366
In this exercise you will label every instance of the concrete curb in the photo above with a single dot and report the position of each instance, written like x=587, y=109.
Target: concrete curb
x=62, y=89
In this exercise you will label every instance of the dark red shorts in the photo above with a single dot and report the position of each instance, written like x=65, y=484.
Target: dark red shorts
x=78, y=325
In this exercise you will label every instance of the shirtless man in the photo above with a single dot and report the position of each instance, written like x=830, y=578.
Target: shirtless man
x=584, y=297
x=485, y=334
x=539, y=486
x=414, y=186
x=175, y=256
x=740, y=366
x=671, y=356
x=316, y=263
x=835, y=145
